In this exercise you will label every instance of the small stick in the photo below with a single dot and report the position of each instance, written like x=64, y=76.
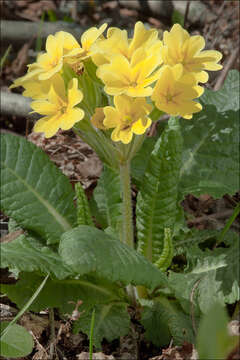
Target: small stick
x=186, y=13
x=221, y=215
x=226, y=68
x=52, y=334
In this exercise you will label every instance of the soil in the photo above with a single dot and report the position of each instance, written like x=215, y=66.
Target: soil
x=77, y=160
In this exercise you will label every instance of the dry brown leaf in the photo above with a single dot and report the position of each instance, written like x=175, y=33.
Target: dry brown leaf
x=18, y=66
x=184, y=352
x=35, y=324
x=34, y=10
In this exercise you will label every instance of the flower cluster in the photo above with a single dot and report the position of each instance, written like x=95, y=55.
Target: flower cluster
x=135, y=73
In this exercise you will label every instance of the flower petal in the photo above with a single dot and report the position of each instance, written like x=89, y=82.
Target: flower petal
x=138, y=127
x=75, y=95
x=112, y=117
x=44, y=107
x=70, y=118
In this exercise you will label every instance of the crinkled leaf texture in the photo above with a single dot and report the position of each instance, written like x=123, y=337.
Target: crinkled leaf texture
x=212, y=274
x=34, y=192
x=228, y=97
x=17, y=341
x=111, y=322
x=61, y=294
x=211, y=143
x=164, y=319
x=157, y=199
x=107, y=199
x=27, y=254
x=89, y=250
x=186, y=238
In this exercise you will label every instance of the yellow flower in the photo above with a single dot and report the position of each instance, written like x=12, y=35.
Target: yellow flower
x=59, y=109
x=117, y=43
x=72, y=50
x=175, y=97
x=128, y=117
x=47, y=65
x=181, y=48
x=130, y=78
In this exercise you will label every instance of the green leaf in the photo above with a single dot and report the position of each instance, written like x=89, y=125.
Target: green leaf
x=169, y=320
x=27, y=254
x=227, y=98
x=17, y=342
x=108, y=199
x=111, y=322
x=213, y=339
x=89, y=250
x=186, y=238
x=211, y=145
x=212, y=276
x=167, y=254
x=84, y=216
x=34, y=191
x=61, y=294
x=157, y=199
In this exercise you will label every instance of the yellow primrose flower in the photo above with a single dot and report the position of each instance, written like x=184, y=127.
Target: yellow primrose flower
x=181, y=48
x=128, y=117
x=117, y=43
x=72, y=50
x=59, y=109
x=175, y=97
x=47, y=65
x=130, y=78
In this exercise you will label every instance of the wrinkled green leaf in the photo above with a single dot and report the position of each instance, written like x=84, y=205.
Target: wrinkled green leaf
x=61, y=294
x=213, y=339
x=86, y=250
x=107, y=197
x=33, y=190
x=186, y=238
x=111, y=322
x=157, y=199
x=164, y=319
x=213, y=274
x=27, y=254
x=210, y=153
x=17, y=342
x=227, y=98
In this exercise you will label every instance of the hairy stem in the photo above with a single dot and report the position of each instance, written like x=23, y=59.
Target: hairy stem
x=127, y=229
x=127, y=225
